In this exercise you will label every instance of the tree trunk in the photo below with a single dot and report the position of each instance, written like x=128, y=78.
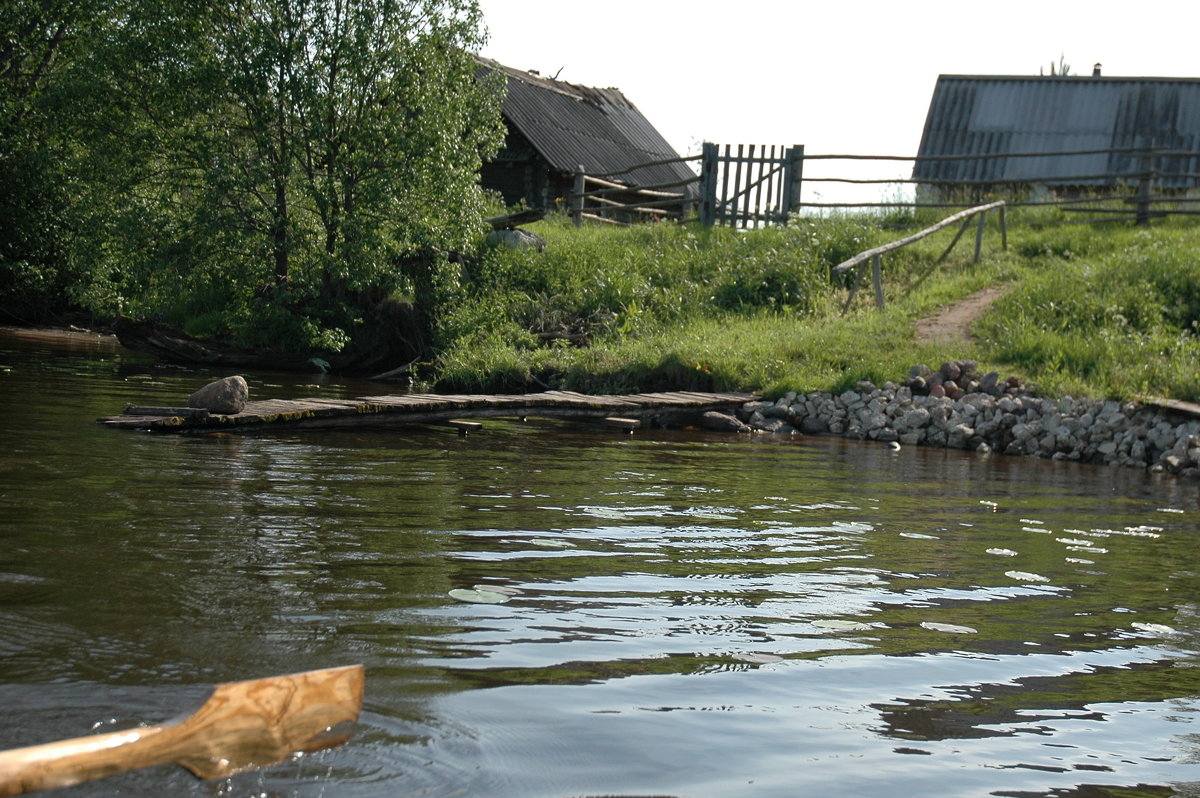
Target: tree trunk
x=279, y=231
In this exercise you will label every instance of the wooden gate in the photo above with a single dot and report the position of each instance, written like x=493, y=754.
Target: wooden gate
x=756, y=186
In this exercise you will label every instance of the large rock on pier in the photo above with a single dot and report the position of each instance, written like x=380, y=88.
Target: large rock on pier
x=227, y=396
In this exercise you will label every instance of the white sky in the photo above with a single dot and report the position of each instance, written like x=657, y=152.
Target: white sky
x=838, y=76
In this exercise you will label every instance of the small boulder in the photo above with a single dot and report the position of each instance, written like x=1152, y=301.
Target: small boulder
x=920, y=370
x=814, y=425
x=950, y=370
x=226, y=397
x=516, y=239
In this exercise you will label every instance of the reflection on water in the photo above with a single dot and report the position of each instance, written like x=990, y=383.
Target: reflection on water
x=689, y=614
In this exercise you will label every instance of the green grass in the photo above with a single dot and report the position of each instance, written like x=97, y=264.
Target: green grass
x=1104, y=311
x=1121, y=322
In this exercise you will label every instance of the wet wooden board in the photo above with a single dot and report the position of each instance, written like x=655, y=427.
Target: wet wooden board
x=430, y=408
x=1187, y=408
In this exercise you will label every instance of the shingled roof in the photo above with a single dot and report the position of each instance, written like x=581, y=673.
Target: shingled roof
x=600, y=129
x=990, y=115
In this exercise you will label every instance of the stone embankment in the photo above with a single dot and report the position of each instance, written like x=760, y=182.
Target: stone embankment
x=956, y=408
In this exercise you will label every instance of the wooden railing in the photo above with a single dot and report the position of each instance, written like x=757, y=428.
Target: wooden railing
x=617, y=203
x=875, y=256
x=753, y=185
x=1154, y=185
x=750, y=186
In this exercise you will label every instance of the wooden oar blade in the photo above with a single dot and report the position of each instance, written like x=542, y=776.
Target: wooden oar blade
x=253, y=724
x=243, y=725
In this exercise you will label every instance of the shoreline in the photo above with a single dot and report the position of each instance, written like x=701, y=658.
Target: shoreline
x=1157, y=439
x=42, y=333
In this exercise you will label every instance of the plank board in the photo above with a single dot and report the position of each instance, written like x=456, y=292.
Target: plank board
x=1178, y=405
x=315, y=412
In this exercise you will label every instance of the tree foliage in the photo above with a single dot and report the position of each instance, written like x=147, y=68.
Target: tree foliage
x=38, y=39
x=259, y=168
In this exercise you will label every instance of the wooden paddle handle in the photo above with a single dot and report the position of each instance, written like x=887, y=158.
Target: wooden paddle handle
x=67, y=762
x=242, y=725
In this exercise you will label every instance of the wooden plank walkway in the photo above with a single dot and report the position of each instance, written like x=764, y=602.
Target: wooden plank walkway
x=270, y=414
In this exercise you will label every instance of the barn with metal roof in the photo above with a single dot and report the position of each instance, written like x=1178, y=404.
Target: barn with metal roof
x=1107, y=120
x=554, y=127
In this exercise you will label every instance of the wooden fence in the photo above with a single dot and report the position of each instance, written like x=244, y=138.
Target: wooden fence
x=750, y=186
x=613, y=202
x=1137, y=194
x=754, y=185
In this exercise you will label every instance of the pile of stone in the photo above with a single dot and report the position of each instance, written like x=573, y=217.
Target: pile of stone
x=956, y=377
x=983, y=413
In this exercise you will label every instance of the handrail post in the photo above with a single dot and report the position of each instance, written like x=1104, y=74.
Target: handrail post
x=577, y=197
x=979, y=235
x=862, y=269
x=877, y=279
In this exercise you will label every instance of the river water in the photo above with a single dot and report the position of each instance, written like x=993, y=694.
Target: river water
x=698, y=615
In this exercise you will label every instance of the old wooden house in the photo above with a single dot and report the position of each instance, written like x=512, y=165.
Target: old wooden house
x=554, y=127
x=1090, y=134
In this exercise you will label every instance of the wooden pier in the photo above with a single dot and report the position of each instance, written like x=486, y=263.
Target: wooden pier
x=622, y=412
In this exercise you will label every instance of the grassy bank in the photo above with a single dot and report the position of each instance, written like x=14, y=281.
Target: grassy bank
x=1105, y=311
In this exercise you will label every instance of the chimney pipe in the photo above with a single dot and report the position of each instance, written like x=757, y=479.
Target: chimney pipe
x=1096, y=70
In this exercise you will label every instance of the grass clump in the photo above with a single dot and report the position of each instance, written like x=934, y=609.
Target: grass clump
x=1120, y=323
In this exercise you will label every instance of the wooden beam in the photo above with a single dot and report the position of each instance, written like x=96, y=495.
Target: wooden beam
x=462, y=426
x=663, y=162
x=979, y=235
x=387, y=410
x=149, y=410
x=861, y=257
x=1187, y=408
x=877, y=279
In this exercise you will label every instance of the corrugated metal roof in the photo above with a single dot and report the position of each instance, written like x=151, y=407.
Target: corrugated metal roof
x=988, y=115
x=600, y=129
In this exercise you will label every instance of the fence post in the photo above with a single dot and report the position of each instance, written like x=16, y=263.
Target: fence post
x=793, y=176
x=1143, y=195
x=708, y=184
x=1003, y=229
x=577, y=197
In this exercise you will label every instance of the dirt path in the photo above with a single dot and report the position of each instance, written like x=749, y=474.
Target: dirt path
x=951, y=323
